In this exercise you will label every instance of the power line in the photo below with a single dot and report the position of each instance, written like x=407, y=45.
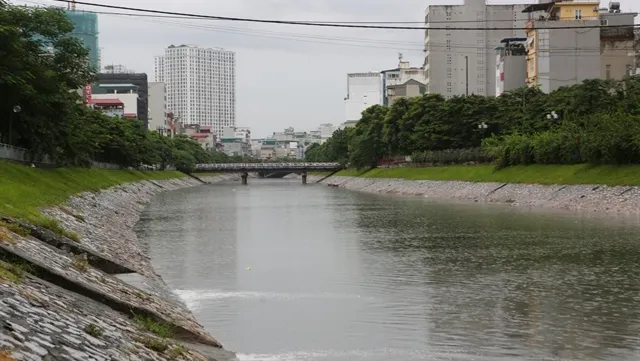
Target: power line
x=326, y=24
x=437, y=48
x=302, y=21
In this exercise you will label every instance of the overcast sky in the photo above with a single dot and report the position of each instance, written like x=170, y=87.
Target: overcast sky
x=286, y=75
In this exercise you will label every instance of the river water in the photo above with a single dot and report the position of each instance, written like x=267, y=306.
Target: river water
x=280, y=271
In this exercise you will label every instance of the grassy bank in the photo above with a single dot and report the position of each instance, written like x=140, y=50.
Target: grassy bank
x=23, y=189
x=207, y=174
x=534, y=174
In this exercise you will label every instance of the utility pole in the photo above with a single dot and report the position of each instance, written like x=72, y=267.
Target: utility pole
x=71, y=5
x=466, y=70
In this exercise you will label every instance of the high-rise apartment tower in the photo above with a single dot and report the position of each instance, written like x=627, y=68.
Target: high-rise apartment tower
x=200, y=85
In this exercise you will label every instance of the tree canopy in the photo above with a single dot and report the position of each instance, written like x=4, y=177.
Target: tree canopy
x=594, y=122
x=42, y=70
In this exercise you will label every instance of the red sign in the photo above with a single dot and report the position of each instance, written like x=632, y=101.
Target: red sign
x=87, y=94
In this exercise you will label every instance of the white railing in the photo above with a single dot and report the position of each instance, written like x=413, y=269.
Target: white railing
x=18, y=154
x=14, y=153
x=268, y=166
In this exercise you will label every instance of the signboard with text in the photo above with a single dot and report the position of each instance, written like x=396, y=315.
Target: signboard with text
x=87, y=94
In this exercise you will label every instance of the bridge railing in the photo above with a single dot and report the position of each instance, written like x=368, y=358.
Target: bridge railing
x=267, y=166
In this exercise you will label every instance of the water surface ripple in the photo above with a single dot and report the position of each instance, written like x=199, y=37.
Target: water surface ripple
x=336, y=275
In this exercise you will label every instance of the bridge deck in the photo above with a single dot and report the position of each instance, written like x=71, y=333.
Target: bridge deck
x=268, y=167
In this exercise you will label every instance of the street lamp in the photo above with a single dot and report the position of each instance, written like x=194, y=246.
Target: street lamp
x=16, y=110
x=483, y=128
x=553, y=116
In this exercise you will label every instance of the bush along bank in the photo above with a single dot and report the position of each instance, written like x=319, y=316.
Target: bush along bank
x=63, y=298
x=563, y=188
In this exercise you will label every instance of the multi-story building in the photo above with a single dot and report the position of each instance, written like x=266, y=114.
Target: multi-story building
x=110, y=106
x=511, y=65
x=157, y=107
x=563, y=44
x=201, y=134
x=363, y=90
x=326, y=130
x=85, y=28
x=617, y=42
x=402, y=82
x=236, y=141
x=256, y=145
x=464, y=62
x=200, y=85
x=137, y=80
x=116, y=68
x=116, y=99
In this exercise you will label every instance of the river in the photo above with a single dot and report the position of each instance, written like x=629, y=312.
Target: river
x=280, y=271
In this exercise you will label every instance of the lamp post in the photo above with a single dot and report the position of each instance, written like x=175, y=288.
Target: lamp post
x=483, y=128
x=16, y=110
x=466, y=75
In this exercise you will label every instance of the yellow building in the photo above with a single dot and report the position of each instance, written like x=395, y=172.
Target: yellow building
x=578, y=10
x=559, y=57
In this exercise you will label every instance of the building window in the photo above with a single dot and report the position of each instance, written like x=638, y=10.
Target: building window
x=604, y=22
x=608, y=71
x=578, y=13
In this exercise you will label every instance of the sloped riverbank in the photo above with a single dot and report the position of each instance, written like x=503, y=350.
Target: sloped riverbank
x=98, y=297
x=586, y=198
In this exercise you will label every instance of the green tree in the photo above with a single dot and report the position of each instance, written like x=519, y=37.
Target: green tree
x=41, y=82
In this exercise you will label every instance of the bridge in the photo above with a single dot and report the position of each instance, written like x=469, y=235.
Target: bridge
x=245, y=168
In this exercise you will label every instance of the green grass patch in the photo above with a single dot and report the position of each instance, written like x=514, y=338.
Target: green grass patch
x=352, y=173
x=14, y=272
x=158, y=328
x=93, y=330
x=15, y=228
x=23, y=190
x=534, y=174
x=177, y=352
x=155, y=344
x=7, y=274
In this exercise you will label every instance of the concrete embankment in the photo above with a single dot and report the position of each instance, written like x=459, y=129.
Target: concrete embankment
x=96, y=298
x=586, y=198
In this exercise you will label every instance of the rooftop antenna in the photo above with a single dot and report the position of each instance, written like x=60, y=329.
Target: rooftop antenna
x=400, y=56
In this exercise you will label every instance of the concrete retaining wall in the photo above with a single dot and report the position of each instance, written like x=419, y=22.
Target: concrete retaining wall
x=62, y=299
x=589, y=198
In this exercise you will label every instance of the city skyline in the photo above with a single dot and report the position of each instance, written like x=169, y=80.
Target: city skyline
x=306, y=66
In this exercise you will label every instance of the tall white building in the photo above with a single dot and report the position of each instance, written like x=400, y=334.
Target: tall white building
x=363, y=90
x=464, y=61
x=200, y=85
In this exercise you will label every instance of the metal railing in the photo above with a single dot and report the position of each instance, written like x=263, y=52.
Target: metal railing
x=250, y=167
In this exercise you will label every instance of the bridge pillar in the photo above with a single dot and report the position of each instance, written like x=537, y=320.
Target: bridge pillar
x=245, y=178
x=304, y=177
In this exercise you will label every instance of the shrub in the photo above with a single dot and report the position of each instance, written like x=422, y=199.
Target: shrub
x=451, y=156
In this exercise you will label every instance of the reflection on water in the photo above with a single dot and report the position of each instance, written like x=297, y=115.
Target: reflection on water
x=336, y=275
